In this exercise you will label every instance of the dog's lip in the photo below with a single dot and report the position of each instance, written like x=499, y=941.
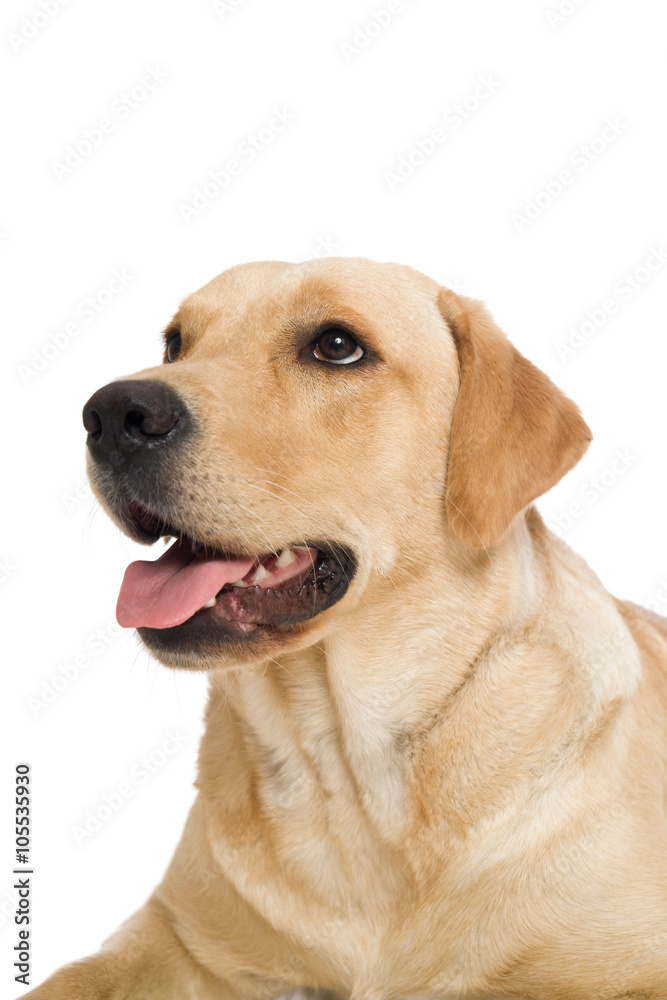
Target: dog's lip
x=149, y=527
x=253, y=622
x=145, y=525
x=195, y=579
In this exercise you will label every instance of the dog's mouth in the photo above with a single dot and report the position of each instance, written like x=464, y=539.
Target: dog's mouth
x=196, y=592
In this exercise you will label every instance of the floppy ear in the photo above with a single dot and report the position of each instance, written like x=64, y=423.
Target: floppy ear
x=514, y=434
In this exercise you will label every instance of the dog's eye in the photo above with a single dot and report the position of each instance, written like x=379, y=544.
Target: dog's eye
x=338, y=347
x=173, y=346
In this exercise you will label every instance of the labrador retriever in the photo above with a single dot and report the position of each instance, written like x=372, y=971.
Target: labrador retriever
x=435, y=761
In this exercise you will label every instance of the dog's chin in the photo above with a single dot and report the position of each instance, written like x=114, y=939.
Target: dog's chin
x=204, y=647
x=253, y=623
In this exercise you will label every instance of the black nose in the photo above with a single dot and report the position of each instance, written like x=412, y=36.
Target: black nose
x=124, y=417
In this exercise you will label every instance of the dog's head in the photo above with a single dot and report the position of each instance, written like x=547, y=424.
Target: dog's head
x=313, y=426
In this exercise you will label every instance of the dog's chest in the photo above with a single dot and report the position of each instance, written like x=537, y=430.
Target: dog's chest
x=305, y=817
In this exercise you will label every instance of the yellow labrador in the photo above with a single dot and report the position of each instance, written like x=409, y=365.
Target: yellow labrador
x=435, y=762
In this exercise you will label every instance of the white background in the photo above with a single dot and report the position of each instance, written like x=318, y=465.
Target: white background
x=319, y=185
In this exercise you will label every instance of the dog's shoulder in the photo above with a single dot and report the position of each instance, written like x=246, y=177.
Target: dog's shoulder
x=649, y=631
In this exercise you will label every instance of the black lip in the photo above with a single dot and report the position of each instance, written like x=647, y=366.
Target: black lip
x=145, y=525
x=140, y=523
x=206, y=634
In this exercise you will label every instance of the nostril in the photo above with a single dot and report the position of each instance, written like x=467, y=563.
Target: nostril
x=93, y=424
x=155, y=422
x=134, y=420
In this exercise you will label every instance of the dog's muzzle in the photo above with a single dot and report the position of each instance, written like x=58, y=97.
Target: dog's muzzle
x=199, y=597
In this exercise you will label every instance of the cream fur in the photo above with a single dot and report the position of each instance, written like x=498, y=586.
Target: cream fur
x=452, y=783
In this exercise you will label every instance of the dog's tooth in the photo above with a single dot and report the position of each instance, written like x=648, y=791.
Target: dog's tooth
x=240, y=583
x=260, y=573
x=210, y=604
x=286, y=558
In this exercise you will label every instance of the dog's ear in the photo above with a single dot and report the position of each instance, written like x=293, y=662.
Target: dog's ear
x=514, y=434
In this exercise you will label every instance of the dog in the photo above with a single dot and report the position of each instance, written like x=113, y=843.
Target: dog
x=435, y=759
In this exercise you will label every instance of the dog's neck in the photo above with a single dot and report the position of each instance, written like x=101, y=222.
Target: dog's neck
x=405, y=683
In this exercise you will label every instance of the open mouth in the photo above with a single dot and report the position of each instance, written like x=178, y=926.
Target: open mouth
x=196, y=593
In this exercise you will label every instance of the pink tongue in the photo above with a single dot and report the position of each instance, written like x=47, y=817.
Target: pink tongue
x=169, y=590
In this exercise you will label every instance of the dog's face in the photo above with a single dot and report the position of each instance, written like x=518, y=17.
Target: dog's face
x=312, y=427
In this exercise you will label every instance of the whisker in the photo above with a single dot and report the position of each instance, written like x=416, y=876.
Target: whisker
x=275, y=496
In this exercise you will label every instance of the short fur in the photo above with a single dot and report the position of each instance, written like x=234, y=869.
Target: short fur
x=453, y=782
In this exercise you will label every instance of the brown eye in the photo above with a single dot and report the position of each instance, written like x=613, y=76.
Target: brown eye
x=338, y=347
x=173, y=346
